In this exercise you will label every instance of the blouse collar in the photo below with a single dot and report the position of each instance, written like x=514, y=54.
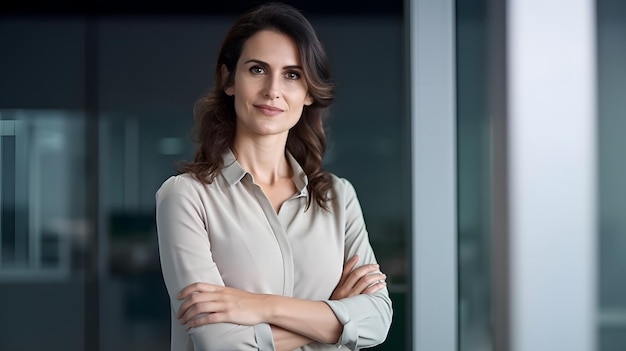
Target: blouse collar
x=234, y=173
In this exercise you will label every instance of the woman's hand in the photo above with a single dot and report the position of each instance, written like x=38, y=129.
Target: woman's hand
x=366, y=279
x=207, y=304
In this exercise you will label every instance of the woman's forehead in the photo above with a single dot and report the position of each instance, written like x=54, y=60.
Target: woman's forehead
x=271, y=47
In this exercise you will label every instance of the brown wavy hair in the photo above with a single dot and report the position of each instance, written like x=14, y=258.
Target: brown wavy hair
x=215, y=118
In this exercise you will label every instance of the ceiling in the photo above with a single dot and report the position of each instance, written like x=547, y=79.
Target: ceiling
x=189, y=7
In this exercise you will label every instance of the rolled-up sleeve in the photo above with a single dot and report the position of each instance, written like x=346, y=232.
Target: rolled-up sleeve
x=366, y=319
x=185, y=254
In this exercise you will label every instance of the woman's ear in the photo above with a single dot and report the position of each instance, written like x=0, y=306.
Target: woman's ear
x=229, y=89
x=308, y=100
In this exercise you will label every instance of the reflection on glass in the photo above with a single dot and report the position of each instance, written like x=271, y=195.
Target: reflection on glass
x=42, y=222
x=134, y=303
x=43, y=231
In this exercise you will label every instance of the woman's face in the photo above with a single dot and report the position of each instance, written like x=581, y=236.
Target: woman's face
x=269, y=86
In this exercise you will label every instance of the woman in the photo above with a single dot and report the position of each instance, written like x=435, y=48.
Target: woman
x=260, y=247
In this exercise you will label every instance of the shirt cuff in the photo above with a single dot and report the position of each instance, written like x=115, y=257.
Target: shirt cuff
x=264, y=337
x=349, y=335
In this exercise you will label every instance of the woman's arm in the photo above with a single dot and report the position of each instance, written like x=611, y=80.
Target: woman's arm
x=286, y=340
x=185, y=255
x=365, y=280
x=209, y=304
x=366, y=318
x=305, y=320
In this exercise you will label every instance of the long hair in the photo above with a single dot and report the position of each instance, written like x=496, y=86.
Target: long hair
x=215, y=118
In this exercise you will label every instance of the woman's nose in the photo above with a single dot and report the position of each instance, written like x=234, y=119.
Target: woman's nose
x=272, y=88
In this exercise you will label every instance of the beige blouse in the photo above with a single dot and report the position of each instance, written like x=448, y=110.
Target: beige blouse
x=228, y=233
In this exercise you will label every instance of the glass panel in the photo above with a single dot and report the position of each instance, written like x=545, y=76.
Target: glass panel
x=146, y=119
x=474, y=186
x=134, y=303
x=368, y=143
x=43, y=198
x=43, y=228
x=37, y=212
x=612, y=172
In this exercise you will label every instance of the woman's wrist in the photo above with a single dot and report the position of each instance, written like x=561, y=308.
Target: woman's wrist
x=271, y=308
x=312, y=319
x=287, y=340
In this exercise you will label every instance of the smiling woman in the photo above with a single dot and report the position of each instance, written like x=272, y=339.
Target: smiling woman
x=268, y=90
x=260, y=247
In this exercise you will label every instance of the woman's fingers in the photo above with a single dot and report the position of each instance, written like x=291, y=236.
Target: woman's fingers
x=342, y=290
x=374, y=287
x=368, y=280
x=194, y=296
x=204, y=320
x=192, y=300
x=347, y=268
x=197, y=309
x=360, y=272
x=362, y=280
x=207, y=303
x=195, y=288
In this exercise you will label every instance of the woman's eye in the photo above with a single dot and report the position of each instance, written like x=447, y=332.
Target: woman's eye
x=257, y=70
x=292, y=75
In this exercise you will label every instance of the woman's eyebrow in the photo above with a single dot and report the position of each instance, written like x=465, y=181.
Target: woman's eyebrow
x=262, y=63
x=257, y=62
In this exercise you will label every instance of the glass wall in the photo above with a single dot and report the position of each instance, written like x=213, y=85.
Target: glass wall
x=369, y=142
x=475, y=302
x=43, y=193
x=95, y=113
x=474, y=169
x=612, y=172
x=43, y=231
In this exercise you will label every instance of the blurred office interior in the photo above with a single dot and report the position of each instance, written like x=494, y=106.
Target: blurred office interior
x=96, y=112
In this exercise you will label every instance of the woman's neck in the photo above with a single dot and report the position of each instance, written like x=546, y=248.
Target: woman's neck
x=264, y=159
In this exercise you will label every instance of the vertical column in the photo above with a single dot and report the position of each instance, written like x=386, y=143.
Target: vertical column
x=7, y=128
x=93, y=258
x=497, y=106
x=550, y=171
x=433, y=134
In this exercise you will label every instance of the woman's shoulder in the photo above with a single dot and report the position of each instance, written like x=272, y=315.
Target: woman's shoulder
x=341, y=185
x=178, y=183
x=343, y=195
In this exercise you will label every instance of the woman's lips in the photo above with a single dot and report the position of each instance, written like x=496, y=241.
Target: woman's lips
x=269, y=110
